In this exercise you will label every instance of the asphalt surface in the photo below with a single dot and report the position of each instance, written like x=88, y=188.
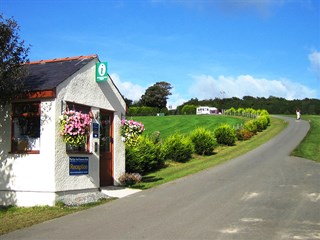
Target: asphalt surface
x=265, y=194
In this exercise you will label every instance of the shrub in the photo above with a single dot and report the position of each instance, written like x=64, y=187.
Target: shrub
x=203, y=140
x=155, y=137
x=143, y=157
x=264, y=121
x=264, y=113
x=143, y=111
x=177, y=148
x=244, y=134
x=189, y=109
x=129, y=179
x=225, y=135
x=251, y=126
x=259, y=124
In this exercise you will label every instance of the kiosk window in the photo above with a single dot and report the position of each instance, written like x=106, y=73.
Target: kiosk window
x=26, y=127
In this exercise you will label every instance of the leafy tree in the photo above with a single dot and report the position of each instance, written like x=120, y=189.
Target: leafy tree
x=189, y=109
x=156, y=95
x=128, y=101
x=12, y=54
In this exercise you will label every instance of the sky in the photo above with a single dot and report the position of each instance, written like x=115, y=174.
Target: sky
x=205, y=49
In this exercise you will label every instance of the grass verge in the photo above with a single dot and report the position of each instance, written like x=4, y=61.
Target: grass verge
x=309, y=147
x=177, y=170
x=14, y=218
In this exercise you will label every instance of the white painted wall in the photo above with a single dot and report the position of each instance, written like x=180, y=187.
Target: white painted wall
x=24, y=174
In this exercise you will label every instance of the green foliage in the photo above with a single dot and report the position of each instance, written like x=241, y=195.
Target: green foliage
x=189, y=110
x=251, y=126
x=12, y=54
x=263, y=121
x=231, y=111
x=142, y=111
x=259, y=124
x=225, y=135
x=143, y=157
x=178, y=147
x=203, y=140
x=156, y=95
x=244, y=134
x=274, y=105
x=156, y=137
x=265, y=114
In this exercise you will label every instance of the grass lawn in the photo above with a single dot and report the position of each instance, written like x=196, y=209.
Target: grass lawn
x=184, y=124
x=310, y=146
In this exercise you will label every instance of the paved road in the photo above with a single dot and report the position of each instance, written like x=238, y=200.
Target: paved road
x=265, y=194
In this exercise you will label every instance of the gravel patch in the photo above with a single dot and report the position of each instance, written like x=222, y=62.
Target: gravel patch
x=81, y=198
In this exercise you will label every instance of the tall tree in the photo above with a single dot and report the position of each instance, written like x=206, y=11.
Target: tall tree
x=156, y=95
x=13, y=54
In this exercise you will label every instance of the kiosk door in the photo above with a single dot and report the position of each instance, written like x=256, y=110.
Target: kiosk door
x=106, y=148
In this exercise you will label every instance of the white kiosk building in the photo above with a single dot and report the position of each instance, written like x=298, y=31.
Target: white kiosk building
x=36, y=165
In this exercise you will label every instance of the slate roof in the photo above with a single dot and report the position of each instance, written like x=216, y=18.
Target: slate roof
x=48, y=74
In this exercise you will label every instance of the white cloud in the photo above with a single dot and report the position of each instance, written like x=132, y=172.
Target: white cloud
x=128, y=90
x=175, y=100
x=314, y=59
x=206, y=87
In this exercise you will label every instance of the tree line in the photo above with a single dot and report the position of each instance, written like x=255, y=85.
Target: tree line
x=274, y=105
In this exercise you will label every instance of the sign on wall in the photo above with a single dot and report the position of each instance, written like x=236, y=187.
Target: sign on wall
x=101, y=71
x=95, y=129
x=78, y=165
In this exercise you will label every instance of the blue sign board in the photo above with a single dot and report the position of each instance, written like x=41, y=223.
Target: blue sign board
x=78, y=165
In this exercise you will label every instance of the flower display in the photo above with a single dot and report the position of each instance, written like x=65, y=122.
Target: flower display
x=130, y=179
x=74, y=127
x=131, y=130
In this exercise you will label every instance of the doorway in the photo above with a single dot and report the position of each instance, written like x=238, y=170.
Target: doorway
x=106, y=148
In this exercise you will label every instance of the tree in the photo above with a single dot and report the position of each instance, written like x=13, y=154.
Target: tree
x=156, y=95
x=13, y=54
x=128, y=101
x=189, y=109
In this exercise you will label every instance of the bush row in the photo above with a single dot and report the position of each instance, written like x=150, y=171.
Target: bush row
x=146, y=111
x=150, y=152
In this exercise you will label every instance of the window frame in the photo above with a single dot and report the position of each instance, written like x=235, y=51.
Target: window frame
x=14, y=116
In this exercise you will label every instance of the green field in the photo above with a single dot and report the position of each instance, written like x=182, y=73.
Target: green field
x=310, y=146
x=184, y=124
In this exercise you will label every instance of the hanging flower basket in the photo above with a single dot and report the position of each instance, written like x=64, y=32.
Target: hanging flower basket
x=74, y=127
x=130, y=131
